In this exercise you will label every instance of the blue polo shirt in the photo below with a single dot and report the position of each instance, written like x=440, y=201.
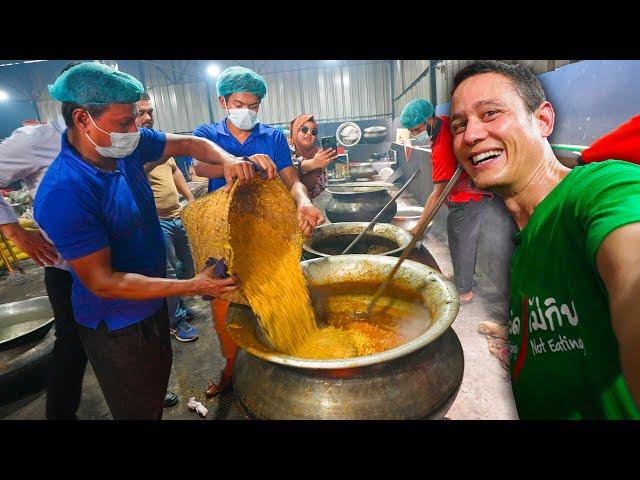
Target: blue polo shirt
x=84, y=209
x=263, y=139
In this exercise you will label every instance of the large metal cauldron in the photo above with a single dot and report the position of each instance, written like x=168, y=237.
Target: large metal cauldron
x=359, y=204
x=23, y=321
x=418, y=379
x=26, y=344
x=322, y=244
x=333, y=238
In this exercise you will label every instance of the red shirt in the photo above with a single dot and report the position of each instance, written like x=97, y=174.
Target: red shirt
x=444, y=166
x=623, y=144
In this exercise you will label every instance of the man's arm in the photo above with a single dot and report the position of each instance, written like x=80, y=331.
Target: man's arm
x=17, y=162
x=208, y=152
x=31, y=242
x=181, y=184
x=151, y=165
x=309, y=216
x=215, y=171
x=207, y=170
x=438, y=188
x=618, y=262
x=95, y=273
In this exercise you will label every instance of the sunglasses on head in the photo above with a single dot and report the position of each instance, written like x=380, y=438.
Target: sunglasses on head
x=314, y=131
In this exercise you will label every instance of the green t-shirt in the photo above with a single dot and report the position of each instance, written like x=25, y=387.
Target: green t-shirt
x=564, y=355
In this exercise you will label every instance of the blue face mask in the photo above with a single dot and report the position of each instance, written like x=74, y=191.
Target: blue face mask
x=243, y=118
x=421, y=139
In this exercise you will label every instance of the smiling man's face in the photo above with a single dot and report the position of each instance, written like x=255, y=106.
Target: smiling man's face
x=498, y=142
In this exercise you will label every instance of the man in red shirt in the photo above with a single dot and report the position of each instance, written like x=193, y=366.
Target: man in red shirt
x=466, y=203
x=623, y=143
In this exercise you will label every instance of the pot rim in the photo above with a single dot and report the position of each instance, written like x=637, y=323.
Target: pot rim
x=376, y=129
x=369, y=189
x=402, y=236
x=416, y=213
x=449, y=307
x=42, y=302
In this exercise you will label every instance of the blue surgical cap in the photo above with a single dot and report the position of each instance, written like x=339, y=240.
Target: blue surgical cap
x=240, y=79
x=285, y=131
x=92, y=82
x=415, y=113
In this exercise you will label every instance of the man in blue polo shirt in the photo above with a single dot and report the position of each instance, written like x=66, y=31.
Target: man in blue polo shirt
x=240, y=91
x=96, y=205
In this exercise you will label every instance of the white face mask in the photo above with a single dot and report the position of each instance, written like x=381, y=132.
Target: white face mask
x=422, y=138
x=122, y=144
x=243, y=118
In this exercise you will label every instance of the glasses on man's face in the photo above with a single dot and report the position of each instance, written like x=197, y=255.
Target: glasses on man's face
x=305, y=130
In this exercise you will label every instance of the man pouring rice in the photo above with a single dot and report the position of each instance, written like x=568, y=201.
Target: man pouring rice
x=240, y=93
x=97, y=207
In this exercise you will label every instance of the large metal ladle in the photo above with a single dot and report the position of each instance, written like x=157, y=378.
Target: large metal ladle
x=418, y=235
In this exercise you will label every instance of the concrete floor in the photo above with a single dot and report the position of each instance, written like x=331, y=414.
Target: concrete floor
x=193, y=364
x=485, y=392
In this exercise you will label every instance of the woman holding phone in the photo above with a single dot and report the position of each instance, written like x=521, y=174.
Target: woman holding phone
x=309, y=160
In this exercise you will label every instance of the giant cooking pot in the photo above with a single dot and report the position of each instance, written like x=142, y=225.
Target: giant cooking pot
x=359, y=204
x=418, y=379
x=333, y=238
x=26, y=345
x=24, y=320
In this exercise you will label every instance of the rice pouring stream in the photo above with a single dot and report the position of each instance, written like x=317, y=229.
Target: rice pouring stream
x=255, y=229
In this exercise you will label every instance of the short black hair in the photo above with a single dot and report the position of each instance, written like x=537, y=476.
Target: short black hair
x=71, y=65
x=226, y=97
x=94, y=109
x=145, y=97
x=525, y=82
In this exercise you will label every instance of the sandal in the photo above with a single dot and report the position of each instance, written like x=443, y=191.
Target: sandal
x=213, y=389
x=468, y=300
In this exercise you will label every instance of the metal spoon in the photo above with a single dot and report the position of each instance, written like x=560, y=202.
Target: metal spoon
x=418, y=235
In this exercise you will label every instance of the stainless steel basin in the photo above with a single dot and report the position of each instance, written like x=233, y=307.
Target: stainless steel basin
x=23, y=320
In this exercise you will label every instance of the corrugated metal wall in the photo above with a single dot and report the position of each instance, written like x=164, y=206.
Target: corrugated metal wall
x=407, y=71
x=339, y=91
x=336, y=91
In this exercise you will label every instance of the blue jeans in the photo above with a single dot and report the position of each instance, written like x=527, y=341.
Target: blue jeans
x=179, y=264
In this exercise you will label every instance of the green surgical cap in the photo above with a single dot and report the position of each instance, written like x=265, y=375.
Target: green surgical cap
x=415, y=113
x=92, y=82
x=240, y=79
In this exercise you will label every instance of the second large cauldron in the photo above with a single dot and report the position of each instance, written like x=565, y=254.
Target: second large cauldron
x=359, y=204
x=333, y=238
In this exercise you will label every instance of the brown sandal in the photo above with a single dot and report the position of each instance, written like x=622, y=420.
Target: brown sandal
x=213, y=389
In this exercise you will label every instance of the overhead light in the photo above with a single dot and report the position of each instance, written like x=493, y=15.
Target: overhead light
x=213, y=70
x=18, y=63
x=109, y=63
x=4, y=96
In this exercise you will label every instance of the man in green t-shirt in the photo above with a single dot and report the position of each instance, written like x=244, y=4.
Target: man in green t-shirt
x=574, y=333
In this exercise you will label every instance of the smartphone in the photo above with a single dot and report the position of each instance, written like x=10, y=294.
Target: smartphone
x=329, y=142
